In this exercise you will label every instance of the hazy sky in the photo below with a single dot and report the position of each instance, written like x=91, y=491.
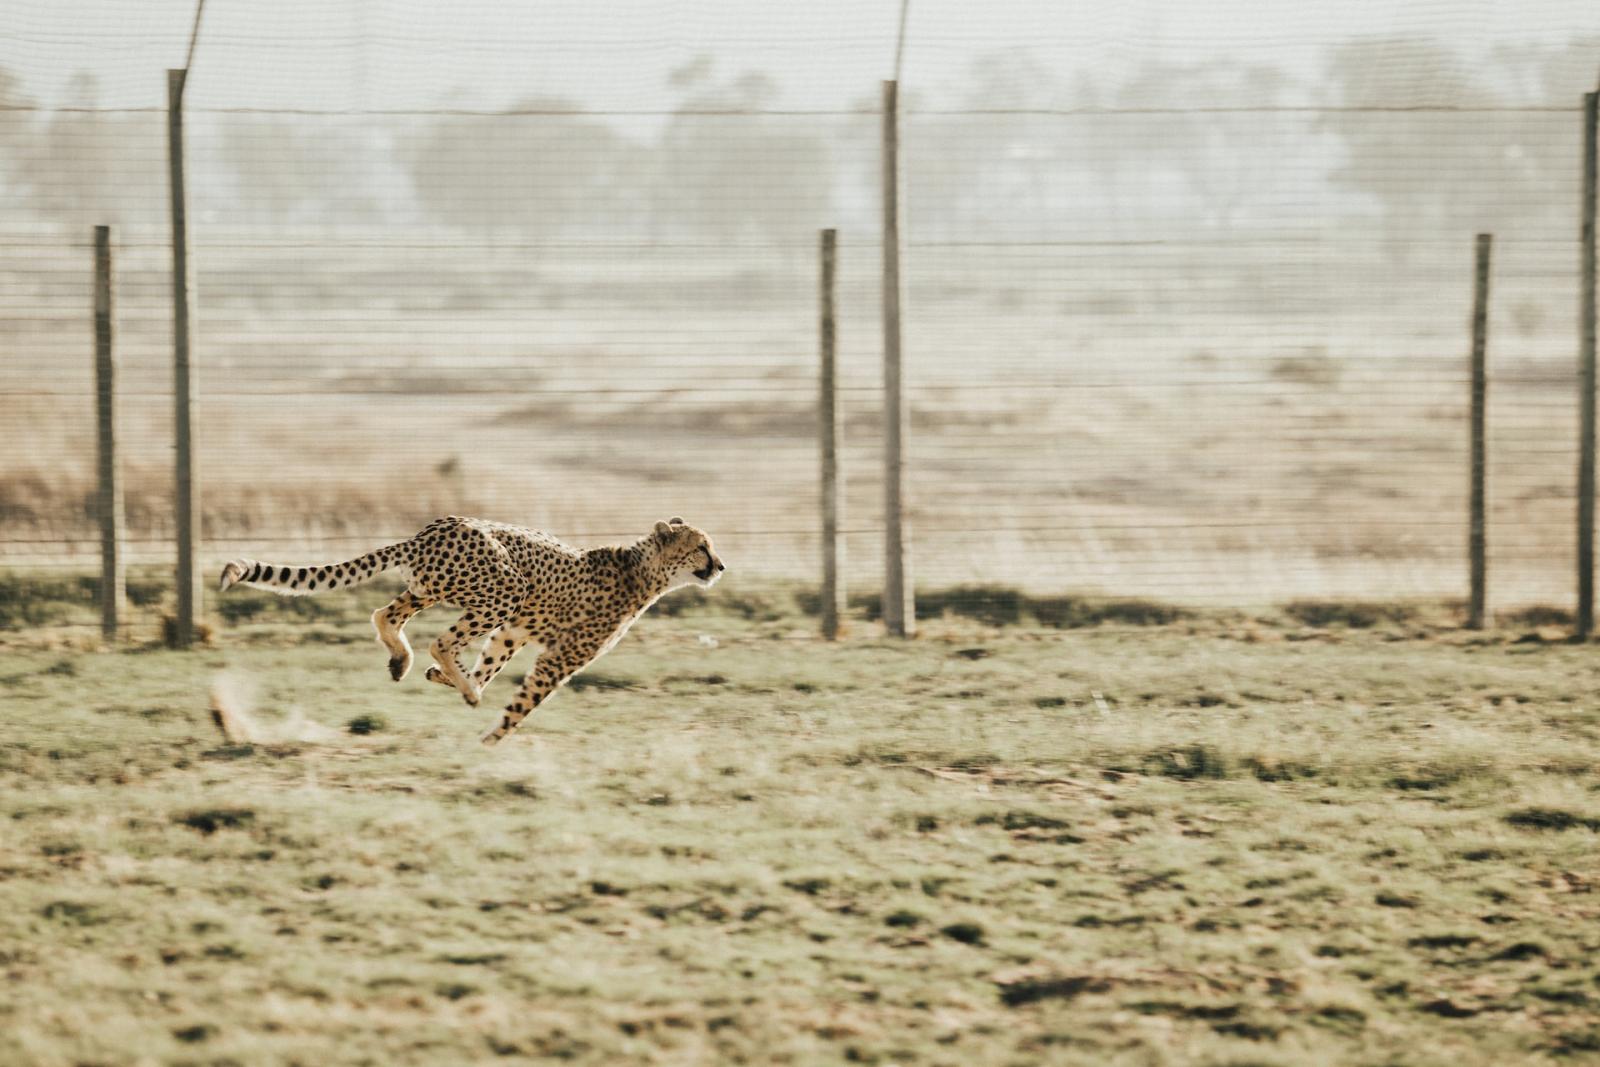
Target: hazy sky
x=617, y=54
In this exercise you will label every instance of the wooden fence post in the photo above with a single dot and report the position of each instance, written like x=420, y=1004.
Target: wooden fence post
x=828, y=432
x=1477, y=535
x=184, y=384
x=1586, y=375
x=899, y=599
x=108, y=498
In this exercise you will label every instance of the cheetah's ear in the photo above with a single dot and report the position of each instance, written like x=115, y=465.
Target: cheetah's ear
x=674, y=521
x=662, y=529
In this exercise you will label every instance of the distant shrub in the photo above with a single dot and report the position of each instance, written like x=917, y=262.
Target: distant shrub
x=248, y=605
x=28, y=600
x=997, y=605
x=367, y=724
x=242, y=607
x=1354, y=614
x=992, y=605
x=868, y=605
x=1313, y=366
x=1537, y=615
x=1071, y=612
x=751, y=606
x=142, y=592
x=39, y=600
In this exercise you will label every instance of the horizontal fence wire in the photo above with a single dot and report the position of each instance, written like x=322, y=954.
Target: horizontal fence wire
x=1190, y=330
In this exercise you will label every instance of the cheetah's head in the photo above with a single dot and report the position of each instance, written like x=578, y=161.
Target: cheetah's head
x=687, y=554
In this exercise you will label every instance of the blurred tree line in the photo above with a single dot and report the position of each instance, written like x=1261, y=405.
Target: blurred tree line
x=1014, y=151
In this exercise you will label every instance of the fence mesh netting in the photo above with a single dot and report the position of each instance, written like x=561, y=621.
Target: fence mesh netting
x=1188, y=293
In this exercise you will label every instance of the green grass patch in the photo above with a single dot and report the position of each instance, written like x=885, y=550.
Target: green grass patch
x=1123, y=845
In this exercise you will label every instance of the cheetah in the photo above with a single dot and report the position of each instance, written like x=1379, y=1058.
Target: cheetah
x=515, y=586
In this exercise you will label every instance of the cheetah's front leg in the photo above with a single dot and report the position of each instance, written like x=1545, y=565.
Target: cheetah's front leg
x=551, y=670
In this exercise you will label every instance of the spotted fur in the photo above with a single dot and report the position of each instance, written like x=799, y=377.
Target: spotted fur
x=515, y=586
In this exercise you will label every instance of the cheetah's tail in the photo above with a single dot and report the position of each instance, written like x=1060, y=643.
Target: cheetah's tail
x=297, y=580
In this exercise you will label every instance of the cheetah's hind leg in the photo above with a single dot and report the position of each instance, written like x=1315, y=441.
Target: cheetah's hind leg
x=390, y=622
x=496, y=653
x=448, y=645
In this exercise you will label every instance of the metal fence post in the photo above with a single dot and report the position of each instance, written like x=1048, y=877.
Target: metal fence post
x=184, y=385
x=1477, y=534
x=828, y=432
x=108, y=496
x=899, y=603
x=1586, y=375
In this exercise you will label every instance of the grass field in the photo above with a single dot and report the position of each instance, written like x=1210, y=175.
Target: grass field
x=1223, y=839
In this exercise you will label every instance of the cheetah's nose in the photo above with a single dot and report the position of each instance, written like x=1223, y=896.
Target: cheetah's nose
x=721, y=566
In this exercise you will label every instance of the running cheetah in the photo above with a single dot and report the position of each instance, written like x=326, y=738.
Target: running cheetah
x=516, y=586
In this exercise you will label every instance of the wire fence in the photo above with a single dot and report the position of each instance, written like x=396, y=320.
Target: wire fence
x=1193, y=331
